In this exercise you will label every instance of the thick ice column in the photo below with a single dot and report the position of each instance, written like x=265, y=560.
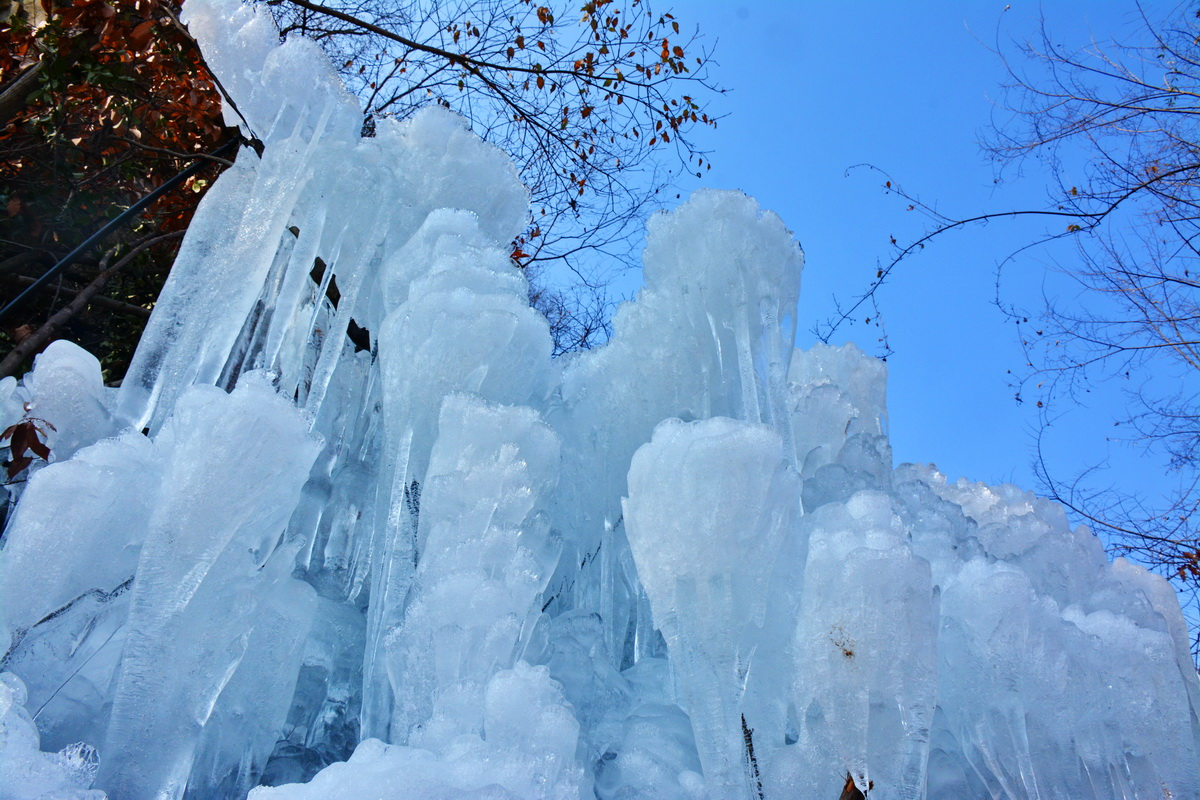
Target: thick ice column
x=864, y=671
x=446, y=337
x=455, y=197
x=250, y=713
x=66, y=390
x=732, y=272
x=992, y=626
x=69, y=557
x=233, y=474
x=227, y=257
x=71, y=548
x=1062, y=631
x=706, y=337
x=488, y=554
x=709, y=504
x=1036, y=628
x=316, y=234
x=709, y=335
x=79, y=528
x=1163, y=602
x=465, y=325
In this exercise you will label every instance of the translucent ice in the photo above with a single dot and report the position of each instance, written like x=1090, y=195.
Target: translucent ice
x=486, y=555
x=81, y=529
x=66, y=390
x=26, y=773
x=709, y=504
x=201, y=577
x=349, y=532
x=524, y=751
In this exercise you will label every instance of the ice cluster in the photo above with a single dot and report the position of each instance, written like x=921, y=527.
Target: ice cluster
x=347, y=531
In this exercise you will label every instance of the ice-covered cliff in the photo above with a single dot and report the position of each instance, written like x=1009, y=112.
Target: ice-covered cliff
x=679, y=566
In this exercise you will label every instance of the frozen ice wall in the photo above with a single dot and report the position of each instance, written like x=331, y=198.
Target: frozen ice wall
x=346, y=530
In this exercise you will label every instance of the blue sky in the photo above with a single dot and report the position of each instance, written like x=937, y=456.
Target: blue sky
x=817, y=87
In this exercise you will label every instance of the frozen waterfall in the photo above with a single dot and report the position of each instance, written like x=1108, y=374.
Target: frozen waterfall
x=280, y=563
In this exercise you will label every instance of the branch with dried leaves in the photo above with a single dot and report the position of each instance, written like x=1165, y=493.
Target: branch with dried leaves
x=597, y=104
x=100, y=103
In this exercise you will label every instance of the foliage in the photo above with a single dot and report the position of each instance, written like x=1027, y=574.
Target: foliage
x=103, y=100
x=116, y=102
x=597, y=103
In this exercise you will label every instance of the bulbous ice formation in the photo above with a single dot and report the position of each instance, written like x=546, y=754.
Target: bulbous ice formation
x=346, y=530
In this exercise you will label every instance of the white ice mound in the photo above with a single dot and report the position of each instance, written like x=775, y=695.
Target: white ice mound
x=524, y=750
x=347, y=531
x=26, y=773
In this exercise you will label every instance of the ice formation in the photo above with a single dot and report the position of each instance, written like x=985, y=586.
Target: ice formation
x=427, y=561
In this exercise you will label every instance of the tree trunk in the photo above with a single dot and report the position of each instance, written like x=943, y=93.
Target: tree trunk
x=15, y=96
x=39, y=338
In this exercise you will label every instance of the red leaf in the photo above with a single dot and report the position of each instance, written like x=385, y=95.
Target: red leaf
x=20, y=438
x=39, y=449
x=17, y=464
x=139, y=37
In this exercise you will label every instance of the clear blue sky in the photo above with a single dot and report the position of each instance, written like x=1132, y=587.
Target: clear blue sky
x=817, y=87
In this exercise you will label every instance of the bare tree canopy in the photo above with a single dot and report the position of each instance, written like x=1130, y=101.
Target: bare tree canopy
x=597, y=103
x=1115, y=124
x=1130, y=110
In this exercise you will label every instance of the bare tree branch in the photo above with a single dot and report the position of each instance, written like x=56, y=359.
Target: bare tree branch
x=1116, y=126
x=44, y=334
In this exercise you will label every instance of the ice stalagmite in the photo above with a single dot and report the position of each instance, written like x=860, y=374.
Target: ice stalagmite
x=709, y=504
x=205, y=579
x=346, y=530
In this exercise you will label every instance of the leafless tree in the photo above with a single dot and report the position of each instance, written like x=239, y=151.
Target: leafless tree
x=1116, y=125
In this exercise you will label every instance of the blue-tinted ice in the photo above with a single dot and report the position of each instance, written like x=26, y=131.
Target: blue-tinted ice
x=374, y=543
